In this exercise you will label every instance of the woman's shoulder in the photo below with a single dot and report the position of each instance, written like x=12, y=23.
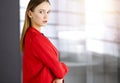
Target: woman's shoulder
x=33, y=32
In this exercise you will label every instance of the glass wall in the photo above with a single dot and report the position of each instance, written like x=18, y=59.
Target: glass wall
x=87, y=35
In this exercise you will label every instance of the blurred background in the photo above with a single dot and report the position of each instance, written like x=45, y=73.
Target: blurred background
x=87, y=35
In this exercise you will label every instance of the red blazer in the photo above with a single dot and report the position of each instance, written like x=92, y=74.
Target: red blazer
x=40, y=59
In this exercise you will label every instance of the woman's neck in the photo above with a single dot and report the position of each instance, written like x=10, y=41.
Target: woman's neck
x=37, y=28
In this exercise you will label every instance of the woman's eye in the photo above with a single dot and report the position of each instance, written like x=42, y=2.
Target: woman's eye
x=41, y=12
x=48, y=12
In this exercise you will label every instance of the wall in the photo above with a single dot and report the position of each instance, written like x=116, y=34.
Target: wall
x=10, y=60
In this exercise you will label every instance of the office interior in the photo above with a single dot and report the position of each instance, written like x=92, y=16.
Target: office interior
x=86, y=33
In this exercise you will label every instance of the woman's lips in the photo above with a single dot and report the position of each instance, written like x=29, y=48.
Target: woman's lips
x=44, y=21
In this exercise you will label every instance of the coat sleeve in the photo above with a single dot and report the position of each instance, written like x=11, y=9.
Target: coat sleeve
x=44, y=52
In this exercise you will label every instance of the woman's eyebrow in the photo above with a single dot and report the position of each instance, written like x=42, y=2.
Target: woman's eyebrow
x=44, y=10
x=41, y=9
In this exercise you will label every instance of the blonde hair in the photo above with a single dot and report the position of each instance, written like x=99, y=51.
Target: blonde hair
x=27, y=22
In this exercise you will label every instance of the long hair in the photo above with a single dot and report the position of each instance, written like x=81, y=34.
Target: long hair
x=27, y=22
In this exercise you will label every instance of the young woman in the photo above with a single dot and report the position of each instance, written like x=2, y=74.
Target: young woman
x=40, y=57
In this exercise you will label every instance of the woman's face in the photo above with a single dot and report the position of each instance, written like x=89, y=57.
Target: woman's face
x=39, y=16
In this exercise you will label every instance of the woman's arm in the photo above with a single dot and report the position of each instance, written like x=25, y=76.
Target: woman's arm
x=45, y=53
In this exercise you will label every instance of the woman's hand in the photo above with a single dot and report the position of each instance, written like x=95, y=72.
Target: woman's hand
x=58, y=81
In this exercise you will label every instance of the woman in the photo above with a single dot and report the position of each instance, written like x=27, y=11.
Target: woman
x=40, y=57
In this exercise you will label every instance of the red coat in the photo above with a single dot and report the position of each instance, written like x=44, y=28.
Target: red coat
x=40, y=59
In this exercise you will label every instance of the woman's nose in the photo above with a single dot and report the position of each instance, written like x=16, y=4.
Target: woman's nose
x=45, y=15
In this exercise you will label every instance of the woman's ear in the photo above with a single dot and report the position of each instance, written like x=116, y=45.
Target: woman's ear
x=29, y=13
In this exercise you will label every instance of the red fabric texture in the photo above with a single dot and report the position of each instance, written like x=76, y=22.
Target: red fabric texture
x=41, y=59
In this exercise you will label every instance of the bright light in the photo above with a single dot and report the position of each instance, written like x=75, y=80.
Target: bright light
x=95, y=26
x=71, y=35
